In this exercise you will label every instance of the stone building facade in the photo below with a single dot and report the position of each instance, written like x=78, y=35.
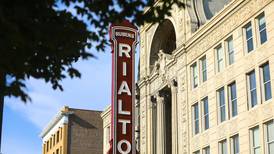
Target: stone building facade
x=205, y=79
x=106, y=116
x=74, y=131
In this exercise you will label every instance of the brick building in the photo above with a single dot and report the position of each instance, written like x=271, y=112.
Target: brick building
x=74, y=131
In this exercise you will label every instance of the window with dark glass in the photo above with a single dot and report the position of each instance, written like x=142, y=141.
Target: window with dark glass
x=47, y=146
x=233, y=99
x=262, y=28
x=194, y=75
x=44, y=148
x=249, y=37
x=252, y=90
x=196, y=118
x=255, y=140
x=205, y=113
x=206, y=150
x=203, y=69
x=58, y=135
x=270, y=137
x=266, y=83
x=235, y=147
x=223, y=147
x=230, y=50
x=50, y=142
x=196, y=152
x=220, y=58
x=53, y=139
x=61, y=132
x=221, y=101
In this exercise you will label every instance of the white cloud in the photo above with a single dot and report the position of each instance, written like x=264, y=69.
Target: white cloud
x=92, y=92
x=39, y=111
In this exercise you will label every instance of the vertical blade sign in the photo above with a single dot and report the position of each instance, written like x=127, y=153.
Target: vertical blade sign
x=124, y=38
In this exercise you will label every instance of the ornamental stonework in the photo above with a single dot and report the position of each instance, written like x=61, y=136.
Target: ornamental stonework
x=229, y=20
x=143, y=123
x=226, y=27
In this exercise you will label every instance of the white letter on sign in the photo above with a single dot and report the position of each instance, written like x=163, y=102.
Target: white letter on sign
x=124, y=48
x=124, y=123
x=124, y=69
x=120, y=108
x=120, y=147
x=124, y=89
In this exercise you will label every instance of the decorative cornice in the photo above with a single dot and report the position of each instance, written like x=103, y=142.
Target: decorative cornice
x=63, y=113
x=106, y=112
x=207, y=27
x=230, y=18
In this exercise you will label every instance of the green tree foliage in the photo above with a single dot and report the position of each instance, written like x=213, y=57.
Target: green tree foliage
x=40, y=40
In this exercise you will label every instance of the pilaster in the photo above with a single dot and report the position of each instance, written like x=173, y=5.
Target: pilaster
x=174, y=91
x=161, y=136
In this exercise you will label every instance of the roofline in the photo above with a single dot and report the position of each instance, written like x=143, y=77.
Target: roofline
x=106, y=111
x=85, y=110
x=63, y=112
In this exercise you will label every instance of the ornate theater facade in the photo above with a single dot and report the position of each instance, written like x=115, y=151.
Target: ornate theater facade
x=205, y=79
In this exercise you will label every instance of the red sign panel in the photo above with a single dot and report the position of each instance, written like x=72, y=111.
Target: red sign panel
x=124, y=39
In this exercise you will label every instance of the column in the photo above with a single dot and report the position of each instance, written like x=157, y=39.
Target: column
x=137, y=119
x=154, y=124
x=161, y=125
x=174, y=115
x=150, y=124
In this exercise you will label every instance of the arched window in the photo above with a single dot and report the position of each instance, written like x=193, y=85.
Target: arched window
x=164, y=39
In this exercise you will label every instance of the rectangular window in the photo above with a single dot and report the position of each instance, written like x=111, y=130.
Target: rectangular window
x=203, y=69
x=194, y=75
x=58, y=135
x=50, y=142
x=255, y=140
x=196, y=152
x=249, y=37
x=235, y=147
x=221, y=104
x=57, y=151
x=61, y=131
x=230, y=50
x=206, y=150
x=195, y=108
x=222, y=147
x=270, y=137
x=233, y=99
x=47, y=146
x=107, y=135
x=53, y=139
x=44, y=148
x=262, y=28
x=220, y=58
x=266, y=84
x=205, y=113
x=252, y=90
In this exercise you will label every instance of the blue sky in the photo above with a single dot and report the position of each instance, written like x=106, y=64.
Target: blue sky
x=24, y=122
